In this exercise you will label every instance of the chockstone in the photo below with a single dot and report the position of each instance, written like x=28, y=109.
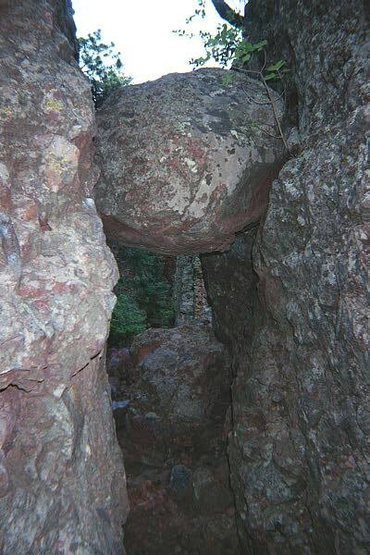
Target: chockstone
x=187, y=160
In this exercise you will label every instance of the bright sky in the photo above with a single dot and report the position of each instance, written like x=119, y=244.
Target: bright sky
x=142, y=32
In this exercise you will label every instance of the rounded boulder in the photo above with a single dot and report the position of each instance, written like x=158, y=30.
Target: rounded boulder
x=186, y=160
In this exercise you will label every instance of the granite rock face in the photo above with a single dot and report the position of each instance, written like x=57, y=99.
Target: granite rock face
x=291, y=303
x=182, y=372
x=171, y=425
x=62, y=482
x=186, y=160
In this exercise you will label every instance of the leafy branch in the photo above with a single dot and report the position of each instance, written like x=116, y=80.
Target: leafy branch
x=102, y=65
x=273, y=72
x=229, y=49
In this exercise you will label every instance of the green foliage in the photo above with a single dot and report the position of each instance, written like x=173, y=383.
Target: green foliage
x=144, y=294
x=244, y=50
x=102, y=65
x=275, y=71
x=229, y=49
x=220, y=47
x=152, y=290
x=228, y=46
x=127, y=318
x=200, y=11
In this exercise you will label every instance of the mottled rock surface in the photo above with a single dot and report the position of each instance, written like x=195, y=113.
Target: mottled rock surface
x=62, y=483
x=189, y=294
x=171, y=425
x=182, y=370
x=186, y=160
x=291, y=304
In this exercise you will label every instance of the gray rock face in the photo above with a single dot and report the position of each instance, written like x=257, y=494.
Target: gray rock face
x=62, y=483
x=291, y=305
x=186, y=160
x=189, y=293
x=173, y=433
x=181, y=373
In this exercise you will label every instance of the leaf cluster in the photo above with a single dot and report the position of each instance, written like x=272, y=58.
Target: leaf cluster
x=144, y=295
x=275, y=71
x=102, y=65
x=200, y=11
x=220, y=47
x=228, y=46
x=244, y=50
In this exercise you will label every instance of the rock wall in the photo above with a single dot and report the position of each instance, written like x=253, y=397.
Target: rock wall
x=62, y=483
x=189, y=293
x=171, y=425
x=291, y=302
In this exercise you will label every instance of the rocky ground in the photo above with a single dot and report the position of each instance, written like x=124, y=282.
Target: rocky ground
x=171, y=399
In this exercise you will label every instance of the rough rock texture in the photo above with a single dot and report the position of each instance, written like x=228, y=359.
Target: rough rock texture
x=291, y=305
x=186, y=160
x=170, y=420
x=190, y=297
x=62, y=483
x=182, y=369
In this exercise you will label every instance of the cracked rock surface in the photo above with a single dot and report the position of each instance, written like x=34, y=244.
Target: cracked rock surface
x=294, y=315
x=186, y=160
x=62, y=482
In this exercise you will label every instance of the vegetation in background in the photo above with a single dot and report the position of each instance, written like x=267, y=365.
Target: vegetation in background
x=102, y=65
x=229, y=48
x=144, y=294
x=222, y=46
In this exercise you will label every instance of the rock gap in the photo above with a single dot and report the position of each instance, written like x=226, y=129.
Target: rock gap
x=182, y=175
x=171, y=401
x=288, y=297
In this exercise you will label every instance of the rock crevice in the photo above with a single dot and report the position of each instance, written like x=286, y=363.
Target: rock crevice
x=186, y=166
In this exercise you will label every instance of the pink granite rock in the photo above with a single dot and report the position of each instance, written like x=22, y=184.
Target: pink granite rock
x=62, y=483
x=187, y=160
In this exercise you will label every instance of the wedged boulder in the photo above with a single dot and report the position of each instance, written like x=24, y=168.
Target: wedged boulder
x=186, y=160
x=62, y=481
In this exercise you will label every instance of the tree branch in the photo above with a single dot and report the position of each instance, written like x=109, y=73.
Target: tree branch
x=228, y=14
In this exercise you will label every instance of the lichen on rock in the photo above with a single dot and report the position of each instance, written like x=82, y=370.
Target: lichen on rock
x=186, y=160
x=62, y=482
x=295, y=317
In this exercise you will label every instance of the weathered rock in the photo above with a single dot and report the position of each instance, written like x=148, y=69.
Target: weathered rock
x=186, y=160
x=189, y=294
x=291, y=306
x=62, y=479
x=172, y=432
x=182, y=371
